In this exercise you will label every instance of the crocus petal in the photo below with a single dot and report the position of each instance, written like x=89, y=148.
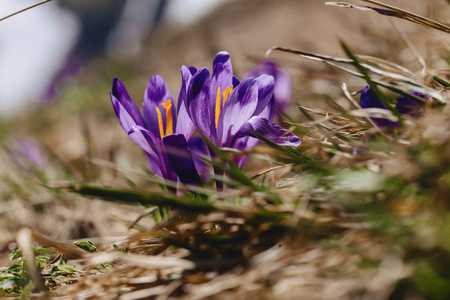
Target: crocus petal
x=120, y=93
x=192, y=69
x=222, y=75
x=153, y=147
x=242, y=144
x=269, y=130
x=32, y=152
x=370, y=99
x=265, y=85
x=125, y=119
x=146, y=140
x=199, y=105
x=180, y=158
x=184, y=123
x=156, y=145
x=146, y=143
x=406, y=105
x=200, y=155
x=236, y=81
x=282, y=91
x=237, y=110
x=155, y=166
x=155, y=94
x=269, y=111
x=283, y=87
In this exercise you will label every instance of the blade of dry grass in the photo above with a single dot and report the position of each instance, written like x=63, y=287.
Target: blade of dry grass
x=396, y=12
x=391, y=81
x=370, y=68
x=24, y=10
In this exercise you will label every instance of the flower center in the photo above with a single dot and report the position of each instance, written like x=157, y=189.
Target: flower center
x=219, y=103
x=169, y=119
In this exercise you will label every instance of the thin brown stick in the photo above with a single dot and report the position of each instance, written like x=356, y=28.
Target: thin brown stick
x=25, y=9
x=393, y=11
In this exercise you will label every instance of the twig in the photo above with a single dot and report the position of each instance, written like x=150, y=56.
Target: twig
x=396, y=12
x=25, y=9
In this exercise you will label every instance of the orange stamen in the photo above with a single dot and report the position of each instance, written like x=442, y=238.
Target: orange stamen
x=227, y=93
x=169, y=119
x=219, y=103
x=160, y=123
x=218, y=106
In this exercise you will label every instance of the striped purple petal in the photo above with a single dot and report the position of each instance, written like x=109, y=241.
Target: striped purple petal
x=199, y=104
x=269, y=130
x=119, y=92
x=180, y=158
x=157, y=160
x=265, y=85
x=184, y=123
x=222, y=75
x=243, y=144
x=370, y=99
x=155, y=94
x=237, y=110
x=282, y=90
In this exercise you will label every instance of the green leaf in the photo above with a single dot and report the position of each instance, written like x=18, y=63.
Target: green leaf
x=86, y=246
x=442, y=81
x=15, y=254
x=40, y=251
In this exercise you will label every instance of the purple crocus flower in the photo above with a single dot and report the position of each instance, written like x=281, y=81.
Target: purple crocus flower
x=27, y=156
x=161, y=130
x=404, y=105
x=282, y=89
x=409, y=106
x=228, y=112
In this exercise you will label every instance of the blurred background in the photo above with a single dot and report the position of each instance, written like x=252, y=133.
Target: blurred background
x=58, y=61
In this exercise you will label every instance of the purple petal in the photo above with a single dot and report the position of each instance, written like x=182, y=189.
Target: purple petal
x=406, y=105
x=269, y=111
x=125, y=119
x=149, y=143
x=180, y=158
x=243, y=144
x=370, y=99
x=192, y=69
x=184, y=123
x=282, y=91
x=237, y=110
x=32, y=152
x=155, y=166
x=236, y=81
x=200, y=153
x=120, y=93
x=199, y=104
x=265, y=85
x=155, y=94
x=155, y=150
x=222, y=75
x=264, y=127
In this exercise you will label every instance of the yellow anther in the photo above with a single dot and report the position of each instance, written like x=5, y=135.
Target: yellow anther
x=169, y=119
x=160, y=123
x=227, y=93
x=220, y=103
x=218, y=106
